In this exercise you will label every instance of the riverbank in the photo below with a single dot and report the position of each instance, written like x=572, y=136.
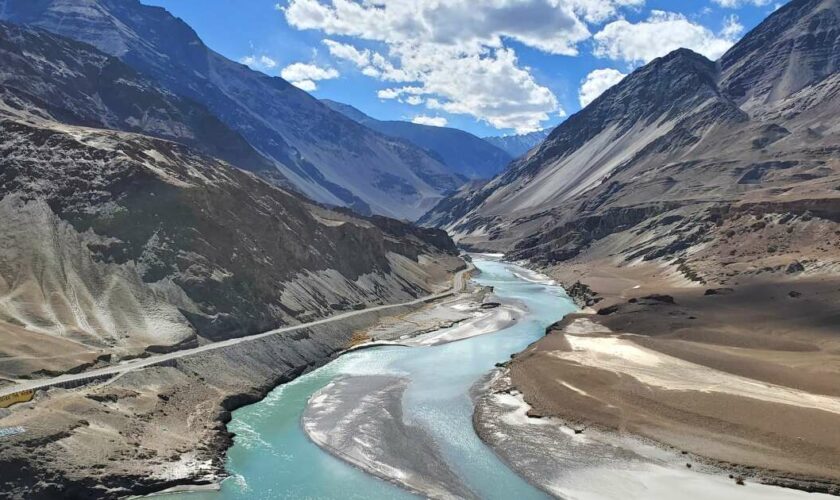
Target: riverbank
x=744, y=374
x=163, y=426
x=581, y=462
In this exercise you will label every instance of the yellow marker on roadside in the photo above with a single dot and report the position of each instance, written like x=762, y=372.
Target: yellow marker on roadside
x=17, y=397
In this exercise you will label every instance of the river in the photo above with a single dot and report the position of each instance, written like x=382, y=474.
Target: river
x=272, y=457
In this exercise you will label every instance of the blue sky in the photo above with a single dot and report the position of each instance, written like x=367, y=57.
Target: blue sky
x=491, y=67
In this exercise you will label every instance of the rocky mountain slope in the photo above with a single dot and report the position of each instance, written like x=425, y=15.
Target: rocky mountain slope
x=518, y=145
x=464, y=153
x=310, y=145
x=117, y=243
x=74, y=83
x=670, y=163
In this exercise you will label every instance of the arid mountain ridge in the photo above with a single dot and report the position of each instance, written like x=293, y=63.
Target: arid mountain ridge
x=678, y=155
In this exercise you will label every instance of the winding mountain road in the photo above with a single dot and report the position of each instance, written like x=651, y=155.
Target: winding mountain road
x=458, y=283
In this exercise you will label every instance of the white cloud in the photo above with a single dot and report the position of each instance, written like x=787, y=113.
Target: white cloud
x=732, y=28
x=734, y=4
x=596, y=83
x=261, y=63
x=303, y=71
x=348, y=52
x=434, y=121
x=306, y=85
x=388, y=94
x=453, y=54
x=304, y=75
x=660, y=34
x=548, y=25
x=596, y=11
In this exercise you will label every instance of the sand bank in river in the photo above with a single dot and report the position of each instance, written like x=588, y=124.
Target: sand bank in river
x=465, y=316
x=359, y=419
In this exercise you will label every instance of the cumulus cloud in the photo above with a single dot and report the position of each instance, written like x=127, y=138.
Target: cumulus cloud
x=434, y=121
x=548, y=25
x=660, y=34
x=732, y=28
x=304, y=75
x=261, y=63
x=596, y=11
x=596, y=83
x=453, y=55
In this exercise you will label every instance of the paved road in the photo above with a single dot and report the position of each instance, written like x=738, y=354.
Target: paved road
x=458, y=285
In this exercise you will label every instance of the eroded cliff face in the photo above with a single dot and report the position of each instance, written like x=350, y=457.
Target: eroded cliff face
x=135, y=222
x=663, y=166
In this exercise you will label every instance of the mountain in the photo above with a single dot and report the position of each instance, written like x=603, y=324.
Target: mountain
x=122, y=236
x=789, y=52
x=466, y=154
x=664, y=166
x=74, y=83
x=518, y=145
x=312, y=146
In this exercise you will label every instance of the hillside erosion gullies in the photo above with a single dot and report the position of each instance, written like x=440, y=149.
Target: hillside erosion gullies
x=677, y=138
x=118, y=244
x=128, y=231
x=308, y=145
x=695, y=206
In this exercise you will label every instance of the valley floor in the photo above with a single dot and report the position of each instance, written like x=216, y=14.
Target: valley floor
x=745, y=376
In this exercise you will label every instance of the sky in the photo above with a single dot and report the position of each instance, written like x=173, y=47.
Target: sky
x=491, y=67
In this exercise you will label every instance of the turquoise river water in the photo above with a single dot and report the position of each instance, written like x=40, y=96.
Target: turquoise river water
x=273, y=458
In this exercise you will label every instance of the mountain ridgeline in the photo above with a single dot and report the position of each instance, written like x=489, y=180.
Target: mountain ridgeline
x=464, y=153
x=679, y=156
x=305, y=144
x=518, y=145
